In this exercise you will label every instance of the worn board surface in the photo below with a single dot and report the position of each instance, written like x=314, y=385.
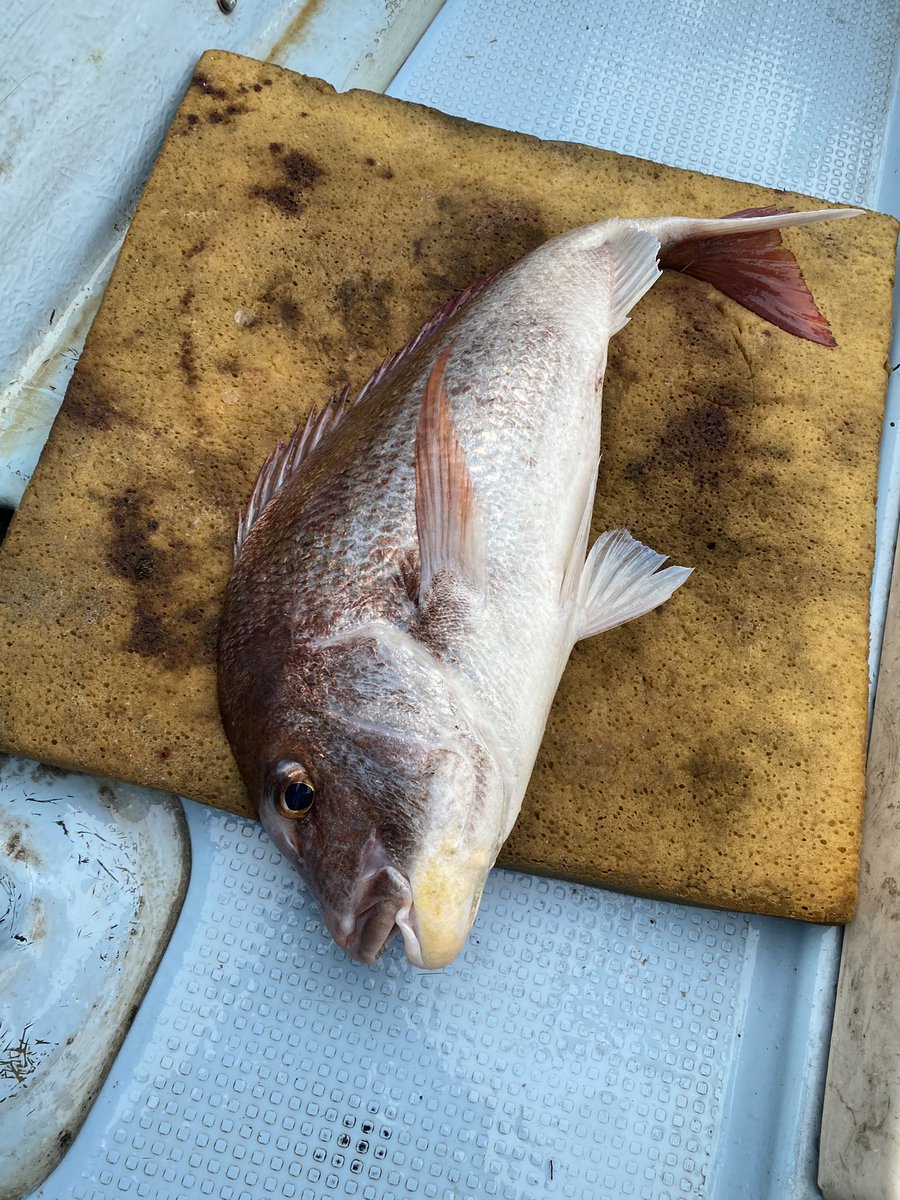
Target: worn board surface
x=288, y=239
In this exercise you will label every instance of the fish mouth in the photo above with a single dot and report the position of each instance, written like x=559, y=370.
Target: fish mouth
x=366, y=933
x=381, y=898
x=382, y=904
x=412, y=940
x=430, y=953
x=372, y=931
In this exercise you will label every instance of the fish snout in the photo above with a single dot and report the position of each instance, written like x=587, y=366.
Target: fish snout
x=445, y=897
x=380, y=897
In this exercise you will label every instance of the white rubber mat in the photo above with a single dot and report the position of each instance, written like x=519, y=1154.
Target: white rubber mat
x=587, y=1045
x=580, y=1047
x=794, y=94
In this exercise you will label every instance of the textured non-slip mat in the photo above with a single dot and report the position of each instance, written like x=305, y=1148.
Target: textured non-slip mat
x=288, y=239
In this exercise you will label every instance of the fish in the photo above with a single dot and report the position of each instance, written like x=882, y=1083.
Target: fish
x=412, y=572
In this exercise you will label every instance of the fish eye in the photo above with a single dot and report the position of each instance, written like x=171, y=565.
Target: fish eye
x=297, y=799
x=296, y=793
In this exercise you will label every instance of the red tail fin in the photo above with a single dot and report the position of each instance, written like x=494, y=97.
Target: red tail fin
x=757, y=271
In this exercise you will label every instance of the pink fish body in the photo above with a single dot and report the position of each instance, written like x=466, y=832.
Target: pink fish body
x=413, y=571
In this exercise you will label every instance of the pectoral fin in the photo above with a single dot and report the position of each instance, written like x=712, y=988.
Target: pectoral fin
x=620, y=581
x=448, y=520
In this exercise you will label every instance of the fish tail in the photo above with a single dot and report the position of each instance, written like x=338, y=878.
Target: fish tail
x=743, y=256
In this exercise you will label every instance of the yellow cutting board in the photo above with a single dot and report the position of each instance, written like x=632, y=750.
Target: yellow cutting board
x=288, y=239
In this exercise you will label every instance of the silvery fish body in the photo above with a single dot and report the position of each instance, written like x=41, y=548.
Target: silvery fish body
x=411, y=576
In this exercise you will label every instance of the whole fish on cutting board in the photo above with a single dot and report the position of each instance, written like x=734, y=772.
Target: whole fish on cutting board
x=412, y=573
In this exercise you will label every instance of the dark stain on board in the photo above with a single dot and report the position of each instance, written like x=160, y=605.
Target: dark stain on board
x=844, y=438
x=187, y=359
x=132, y=556
x=281, y=197
x=147, y=635
x=226, y=116
x=298, y=174
x=696, y=442
x=196, y=248
x=717, y=780
x=230, y=366
x=620, y=369
x=383, y=170
x=220, y=479
x=202, y=82
x=280, y=301
x=154, y=566
x=702, y=318
x=299, y=169
x=472, y=234
x=88, y=403
x=289, y=313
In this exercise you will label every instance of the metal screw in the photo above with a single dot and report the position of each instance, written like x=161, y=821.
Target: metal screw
x=227, y=6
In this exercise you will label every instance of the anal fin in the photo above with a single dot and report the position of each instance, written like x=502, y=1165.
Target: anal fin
x=621, y=581
x=571, y=582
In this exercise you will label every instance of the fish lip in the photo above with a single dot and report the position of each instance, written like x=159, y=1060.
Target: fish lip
x=424, y=957
x=372, y=932
x=409, y=930
x=377, y=886
x=412, y=944
x=381, y=905
x=381, y=894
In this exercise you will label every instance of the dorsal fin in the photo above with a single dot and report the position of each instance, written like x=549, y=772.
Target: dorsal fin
x=432, y=326
x=285, y=459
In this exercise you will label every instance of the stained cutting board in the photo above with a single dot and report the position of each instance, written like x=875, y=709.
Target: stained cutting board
x=290, y=238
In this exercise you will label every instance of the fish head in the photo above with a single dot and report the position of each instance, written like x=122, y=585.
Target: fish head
x=389, y=802
x=321, y=816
